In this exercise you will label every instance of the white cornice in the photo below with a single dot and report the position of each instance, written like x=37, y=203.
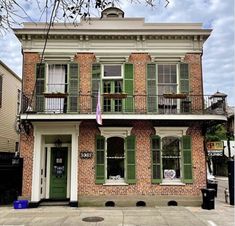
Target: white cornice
x=111, y=27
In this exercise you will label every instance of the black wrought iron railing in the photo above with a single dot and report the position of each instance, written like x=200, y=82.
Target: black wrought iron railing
x=63, y=103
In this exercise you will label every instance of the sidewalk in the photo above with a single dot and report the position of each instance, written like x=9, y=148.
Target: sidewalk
x=66, y=216
x=222, y=215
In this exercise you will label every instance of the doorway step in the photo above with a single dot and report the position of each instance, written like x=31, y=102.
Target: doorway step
x=54, y=203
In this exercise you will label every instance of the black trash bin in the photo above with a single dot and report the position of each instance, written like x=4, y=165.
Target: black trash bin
x=213, y=184
x=208, y=196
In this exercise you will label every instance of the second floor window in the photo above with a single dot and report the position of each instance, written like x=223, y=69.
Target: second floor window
x=57, y=87
x=112, y=71
x=57, y=77
x=167, y=83
x=167, y=79
x=112, y=87
x=56, y=83
x=163, y=81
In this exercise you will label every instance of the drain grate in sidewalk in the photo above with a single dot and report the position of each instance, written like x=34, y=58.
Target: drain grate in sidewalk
x=93, y=219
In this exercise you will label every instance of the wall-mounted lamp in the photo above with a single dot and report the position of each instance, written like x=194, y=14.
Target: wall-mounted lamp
x=58, y=143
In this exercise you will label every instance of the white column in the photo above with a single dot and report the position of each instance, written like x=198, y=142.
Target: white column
x=74, y=168
x=35, y=197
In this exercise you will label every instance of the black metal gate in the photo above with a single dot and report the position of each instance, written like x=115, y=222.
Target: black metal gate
x=11, y=168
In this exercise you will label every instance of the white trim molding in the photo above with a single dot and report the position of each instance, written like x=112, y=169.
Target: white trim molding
x=170, y=131
x=54, y=128
x=115, y=131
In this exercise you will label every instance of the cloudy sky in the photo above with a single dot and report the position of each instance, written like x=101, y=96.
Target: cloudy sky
x=218, y=53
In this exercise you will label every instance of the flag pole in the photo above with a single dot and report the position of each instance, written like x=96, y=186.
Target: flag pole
x=98, y=109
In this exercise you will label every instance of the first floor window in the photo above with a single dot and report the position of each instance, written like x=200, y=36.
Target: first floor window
x=171, y=159
x=115, y=160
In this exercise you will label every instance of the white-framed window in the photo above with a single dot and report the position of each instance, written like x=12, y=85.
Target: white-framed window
x=115, y=159
x=164, y=82
x=112, y=87
x=112, y=155
x=112, y=83
x=167, y=78
x=171, y=158
x=56, y=78
x=167, y=84
x=56, y=82
x=112, y=71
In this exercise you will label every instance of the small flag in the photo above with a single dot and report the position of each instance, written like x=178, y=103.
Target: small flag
x=98, y=110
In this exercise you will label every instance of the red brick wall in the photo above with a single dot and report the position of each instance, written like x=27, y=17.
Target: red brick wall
x=195, y=67
x=196, y=83
x=198, y=155
x=27, y=141
x=142, y=130
x=29, y=70
x=85, y=61
x=140, y=60
x=26, y=152
x=86, y=167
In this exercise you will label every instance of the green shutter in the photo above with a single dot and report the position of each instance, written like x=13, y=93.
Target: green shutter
x=156, y=159
x=40, y=87
x=100, y=153
x=73, y=87
x=187, y=159
x=129, y=86
x=184, y=78
x=96, y=75
x=184, y=88
x=130, y=160
x=151, y=88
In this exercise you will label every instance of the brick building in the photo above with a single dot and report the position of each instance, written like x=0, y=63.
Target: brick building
x=150, y=147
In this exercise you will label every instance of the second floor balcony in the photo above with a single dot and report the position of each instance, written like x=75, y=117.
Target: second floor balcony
x=121, y=103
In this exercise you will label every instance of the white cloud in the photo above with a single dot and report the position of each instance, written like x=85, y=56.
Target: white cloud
x=218, y=55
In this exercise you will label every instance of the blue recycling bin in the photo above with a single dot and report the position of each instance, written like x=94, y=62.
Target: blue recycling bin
x=20, y=204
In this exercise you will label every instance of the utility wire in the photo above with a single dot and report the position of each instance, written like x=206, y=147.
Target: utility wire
x=52, y=18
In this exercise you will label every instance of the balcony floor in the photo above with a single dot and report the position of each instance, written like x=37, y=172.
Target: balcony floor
x=79, y=117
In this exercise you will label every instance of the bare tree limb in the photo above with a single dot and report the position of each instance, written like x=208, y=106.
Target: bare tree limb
x=14, y=12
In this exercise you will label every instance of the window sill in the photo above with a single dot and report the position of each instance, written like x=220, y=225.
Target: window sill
x=120, y=182
x=172, y=183
x=55, y=95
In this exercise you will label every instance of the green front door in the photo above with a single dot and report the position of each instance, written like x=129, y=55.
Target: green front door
x=58, y=174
